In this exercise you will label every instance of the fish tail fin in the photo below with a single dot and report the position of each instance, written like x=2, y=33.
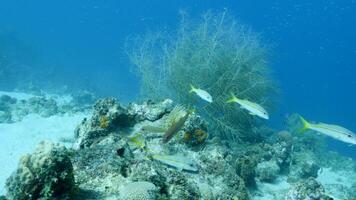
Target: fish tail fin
x=192, y=88
x=141, y=143
x=305, y=124
x=232, y=99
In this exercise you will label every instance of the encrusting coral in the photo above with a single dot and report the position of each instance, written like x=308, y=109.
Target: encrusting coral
x=196, y=137
x=104, y=122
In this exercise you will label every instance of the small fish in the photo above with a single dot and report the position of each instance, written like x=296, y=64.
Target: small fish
x=253, y=108
x=334, y=131
x=154, y=129
x=175, y=127
x=201, y=93
x=178, y=161
x=137, y=140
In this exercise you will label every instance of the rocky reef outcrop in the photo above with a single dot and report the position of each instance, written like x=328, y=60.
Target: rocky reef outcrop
x=307, y=189
x=267, y=171
x=119, y=153
x=45, y=174
x=14, y=110
x=110, y=153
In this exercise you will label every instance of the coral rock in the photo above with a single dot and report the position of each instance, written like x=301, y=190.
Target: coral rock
x=304, y=166
x=108, y=115
x=195, y=138
x=141, y=190
x=282, y=153
x=245, y=168
x=267, y=171
x=308, y=189
x=45, y=174
x=150, y=110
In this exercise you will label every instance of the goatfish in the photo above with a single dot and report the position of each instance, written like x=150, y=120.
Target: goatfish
x=334, y=131
x=201, y=93
x=253, y=108
x=177, y=161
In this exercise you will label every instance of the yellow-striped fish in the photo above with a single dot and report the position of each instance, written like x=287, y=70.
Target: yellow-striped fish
x=334, y=131
x=253, y=108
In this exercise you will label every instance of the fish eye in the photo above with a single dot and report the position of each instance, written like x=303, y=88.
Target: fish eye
x=349, y=136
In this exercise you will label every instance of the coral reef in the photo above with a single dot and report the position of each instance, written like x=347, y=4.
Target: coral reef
x=215, y=53
x=195, y=138
x=107, y=115
x=304, y=165
x=245, y=168
x=118, y=153
x=14, y=110
x=138, y=191
x=307, y=189
x=100, y=149
x=43, y=106
x=267, y=171
x=149, y=110
x=45, y=174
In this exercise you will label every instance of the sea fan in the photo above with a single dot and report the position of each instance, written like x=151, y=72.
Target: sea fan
x=214, y=53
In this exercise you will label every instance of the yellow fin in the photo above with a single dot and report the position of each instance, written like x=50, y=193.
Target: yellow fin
x=305, y=126
x=232, y=99
x=192, y=88
x=137, y=140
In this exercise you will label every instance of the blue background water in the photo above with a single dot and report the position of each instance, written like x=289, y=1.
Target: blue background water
x=82, y=43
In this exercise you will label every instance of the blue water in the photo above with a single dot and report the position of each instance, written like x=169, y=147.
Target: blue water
x=81, y=44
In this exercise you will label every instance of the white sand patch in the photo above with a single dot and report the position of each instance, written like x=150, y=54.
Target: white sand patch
x=337, y=183
x=268, y=191
x=19, y=138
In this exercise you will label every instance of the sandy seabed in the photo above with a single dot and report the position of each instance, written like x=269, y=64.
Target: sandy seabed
x=19, y=138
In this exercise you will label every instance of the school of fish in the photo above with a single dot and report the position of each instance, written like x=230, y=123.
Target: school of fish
x=334, y=131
